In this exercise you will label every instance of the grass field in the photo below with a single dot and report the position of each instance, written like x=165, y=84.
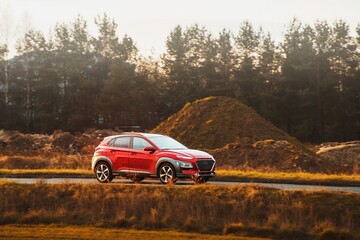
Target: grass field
x=46, y=173
x=222, y=175
x=45, y=232
x=245, y=210
x=284, y=177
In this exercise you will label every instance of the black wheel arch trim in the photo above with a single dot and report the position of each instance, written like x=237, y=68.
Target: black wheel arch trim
x=166, y=160
x=97, y=159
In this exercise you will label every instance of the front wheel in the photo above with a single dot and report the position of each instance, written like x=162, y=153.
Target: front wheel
x=103, y=172
x=167, y=174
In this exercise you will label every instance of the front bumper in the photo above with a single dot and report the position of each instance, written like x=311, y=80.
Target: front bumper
x=189, y=174
x=201, y=168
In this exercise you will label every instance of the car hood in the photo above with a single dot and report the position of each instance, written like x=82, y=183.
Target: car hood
x=192, y=153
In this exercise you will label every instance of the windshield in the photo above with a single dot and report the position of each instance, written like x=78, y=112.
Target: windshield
x=167, y=143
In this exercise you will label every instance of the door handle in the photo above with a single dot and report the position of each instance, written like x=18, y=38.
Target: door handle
x=112, y=151
x=133, y=153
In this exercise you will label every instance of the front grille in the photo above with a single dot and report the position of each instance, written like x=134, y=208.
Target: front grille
x=205, y=165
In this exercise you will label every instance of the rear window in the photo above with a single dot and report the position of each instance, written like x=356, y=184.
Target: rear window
x=120, y=142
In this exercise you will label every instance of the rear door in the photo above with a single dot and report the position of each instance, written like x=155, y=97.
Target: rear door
x=119, y=150
x=140, y=160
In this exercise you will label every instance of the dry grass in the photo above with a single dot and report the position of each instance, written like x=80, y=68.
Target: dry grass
x=284, y=177
x=88, y=233
x=46, y=160
x=246, y=210
x=222, y=175
x=46, y=173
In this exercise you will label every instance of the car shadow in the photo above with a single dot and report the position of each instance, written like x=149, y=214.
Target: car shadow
x=152, y=182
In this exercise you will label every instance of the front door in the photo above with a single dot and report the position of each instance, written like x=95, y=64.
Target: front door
x=140, y=160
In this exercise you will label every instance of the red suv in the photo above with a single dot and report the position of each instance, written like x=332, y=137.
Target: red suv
x=141, y=155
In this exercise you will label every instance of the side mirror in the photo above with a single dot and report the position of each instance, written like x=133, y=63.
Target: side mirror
x=149, y=149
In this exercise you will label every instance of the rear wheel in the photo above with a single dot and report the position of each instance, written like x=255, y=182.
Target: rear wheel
x=167, y=174
x=103, y=172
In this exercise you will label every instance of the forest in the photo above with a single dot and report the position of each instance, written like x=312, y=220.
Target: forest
x=308, y=84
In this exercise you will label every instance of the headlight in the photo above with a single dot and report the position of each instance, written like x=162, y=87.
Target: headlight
x=184, y=164
x=183, y=157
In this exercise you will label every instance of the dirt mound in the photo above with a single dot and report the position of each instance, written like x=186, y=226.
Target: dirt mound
x=267, y=156
x=238, y=137
x=59, y=141
x=62, y=140
x=58, y=150
x=15, y=140
x=214, y=122
x=345, y=155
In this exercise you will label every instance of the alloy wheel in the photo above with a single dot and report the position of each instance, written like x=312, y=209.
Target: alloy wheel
x=166, y=174
x=103, y=172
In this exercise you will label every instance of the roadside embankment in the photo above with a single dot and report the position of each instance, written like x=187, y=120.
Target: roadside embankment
x=222, y=175
x=245, y=210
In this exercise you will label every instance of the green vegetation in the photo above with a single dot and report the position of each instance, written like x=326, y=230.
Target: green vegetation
x=307, y=83
x=43, y=232
x=249, y=211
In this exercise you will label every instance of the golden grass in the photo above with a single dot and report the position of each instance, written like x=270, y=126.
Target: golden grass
x=222, y=175
x=245, y=210
x=44, y=160
x=46, y=172
x=88, y=233
x=284, y=177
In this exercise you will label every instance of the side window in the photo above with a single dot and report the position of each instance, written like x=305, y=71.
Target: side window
x=140, y=143
x=122, y=142
x=112, y=142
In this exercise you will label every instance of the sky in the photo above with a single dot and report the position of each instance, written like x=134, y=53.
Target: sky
x=149, y=22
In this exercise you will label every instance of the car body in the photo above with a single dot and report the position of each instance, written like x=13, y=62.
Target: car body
x=142, y=155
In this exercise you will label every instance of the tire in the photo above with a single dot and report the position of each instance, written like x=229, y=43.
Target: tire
x=136, y=179
x=167, y=174
x=200, y=180
x=103, y=172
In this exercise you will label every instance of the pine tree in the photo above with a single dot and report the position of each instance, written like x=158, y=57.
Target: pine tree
x=31, y=50
x=225, y=58
x=246, y=69
x=175, y=68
